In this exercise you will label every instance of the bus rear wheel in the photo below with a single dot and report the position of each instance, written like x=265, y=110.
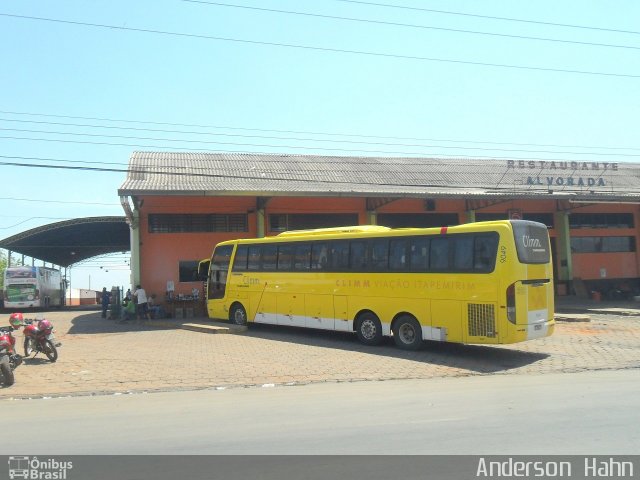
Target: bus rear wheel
x=238, y=315
x=369, y=329
x=407, y=333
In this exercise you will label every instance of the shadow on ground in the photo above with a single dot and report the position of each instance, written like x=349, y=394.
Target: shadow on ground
x=475, y=358
x=37, y=360
x=93, y=323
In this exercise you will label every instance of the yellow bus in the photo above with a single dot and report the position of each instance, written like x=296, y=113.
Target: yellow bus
x=478, y=283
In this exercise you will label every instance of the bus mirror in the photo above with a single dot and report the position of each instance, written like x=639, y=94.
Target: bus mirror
x=203, y=269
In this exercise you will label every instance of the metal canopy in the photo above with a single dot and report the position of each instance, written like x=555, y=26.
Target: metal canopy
x=71, y=241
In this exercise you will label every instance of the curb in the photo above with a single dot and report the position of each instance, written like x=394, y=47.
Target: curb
x=225, y=329
x=571, y=317
x=204, y=326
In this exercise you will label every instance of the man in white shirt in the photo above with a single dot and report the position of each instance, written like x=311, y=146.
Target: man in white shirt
x=141, y=300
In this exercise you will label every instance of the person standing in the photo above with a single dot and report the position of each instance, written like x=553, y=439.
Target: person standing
x=141, y=300
x=105, y=299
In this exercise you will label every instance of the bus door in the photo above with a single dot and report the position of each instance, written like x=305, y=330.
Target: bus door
x=530, y=299
x=218, y=272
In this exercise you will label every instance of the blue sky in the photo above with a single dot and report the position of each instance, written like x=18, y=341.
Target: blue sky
x=399, y=79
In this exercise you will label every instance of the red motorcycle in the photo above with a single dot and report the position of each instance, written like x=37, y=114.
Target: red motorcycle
x=9, y=359
x=38, y=337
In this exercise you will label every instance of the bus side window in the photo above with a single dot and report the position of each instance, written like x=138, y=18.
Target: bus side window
x=253, y=262
x=398, y=254
x=339, y=256
x=240, y=260
x=319, y=256
x=358, y=255
x=485, y=251
x=463, y=253
x=302, y=257
x=285, y=257
x=419, y=254
x=439, y=254
x=379, y=254
x=269, y=257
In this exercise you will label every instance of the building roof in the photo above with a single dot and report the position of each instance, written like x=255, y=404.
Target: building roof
x=71, y=241
x=174, y=173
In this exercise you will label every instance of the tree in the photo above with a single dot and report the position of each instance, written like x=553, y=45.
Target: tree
x=4, y=261
x=3, y=267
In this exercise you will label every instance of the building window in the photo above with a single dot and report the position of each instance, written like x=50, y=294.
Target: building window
x=193, y=223
x=490, y=217
x=601, y=220
x=417, y=220
x=188, y=271
x=603, y=244
x=544, y=218
x=281, y=222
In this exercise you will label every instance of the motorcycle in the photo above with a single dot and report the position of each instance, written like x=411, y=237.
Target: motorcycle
x=9, y=359
x=38, y=337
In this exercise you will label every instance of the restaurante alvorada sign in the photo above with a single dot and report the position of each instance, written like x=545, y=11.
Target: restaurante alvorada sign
x=573, y=169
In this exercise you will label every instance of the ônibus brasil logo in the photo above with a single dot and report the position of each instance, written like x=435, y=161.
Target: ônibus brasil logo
x=32, y=468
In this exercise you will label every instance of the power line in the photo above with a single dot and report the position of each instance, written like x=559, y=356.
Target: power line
x=293, y=147
x=415, y=26
x=268, y=137
x=323, y=49
x=489, y=17
x=55, y=201
x=276, y=159
x=304, y=132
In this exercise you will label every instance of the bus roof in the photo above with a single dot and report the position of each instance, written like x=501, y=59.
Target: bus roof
x=372, y=231
x=335, y=230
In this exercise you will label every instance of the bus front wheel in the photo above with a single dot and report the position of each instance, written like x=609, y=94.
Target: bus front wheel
x=238, y=315
x=369, y=329
x=407, y=333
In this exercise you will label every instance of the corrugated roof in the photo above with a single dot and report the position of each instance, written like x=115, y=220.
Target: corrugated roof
x=71, y=241
x=170, y=173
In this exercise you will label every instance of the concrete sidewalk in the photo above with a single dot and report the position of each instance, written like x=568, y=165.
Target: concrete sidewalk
x=572, y=304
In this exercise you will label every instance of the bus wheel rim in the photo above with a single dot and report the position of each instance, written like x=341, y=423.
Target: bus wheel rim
x=368, y=329
x=407, y=333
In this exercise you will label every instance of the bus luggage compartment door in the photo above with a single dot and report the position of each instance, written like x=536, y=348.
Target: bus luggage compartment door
x=534, y=306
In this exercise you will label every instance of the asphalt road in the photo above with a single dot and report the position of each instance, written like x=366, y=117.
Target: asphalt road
x=593, y=412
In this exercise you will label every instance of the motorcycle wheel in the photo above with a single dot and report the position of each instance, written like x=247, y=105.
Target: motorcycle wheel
x=7, y=373
x=28, y=346
x=50, y=350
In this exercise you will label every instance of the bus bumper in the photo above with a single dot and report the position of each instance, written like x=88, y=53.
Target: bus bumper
x=540, y=330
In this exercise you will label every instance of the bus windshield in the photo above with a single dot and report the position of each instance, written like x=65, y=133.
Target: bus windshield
x=20, y=292
x=532, y=241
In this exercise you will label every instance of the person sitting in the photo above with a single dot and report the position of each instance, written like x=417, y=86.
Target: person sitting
x=155, y=309
x=129, y=311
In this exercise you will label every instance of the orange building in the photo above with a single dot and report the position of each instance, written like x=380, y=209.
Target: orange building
x=179, y=205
